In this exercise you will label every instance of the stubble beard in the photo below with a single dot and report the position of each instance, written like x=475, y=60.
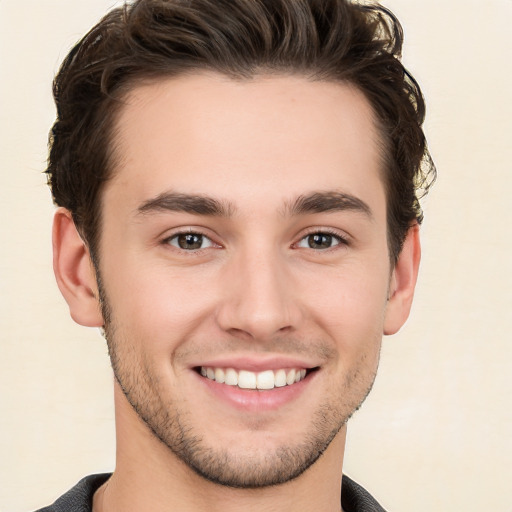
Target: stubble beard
x=172, y=426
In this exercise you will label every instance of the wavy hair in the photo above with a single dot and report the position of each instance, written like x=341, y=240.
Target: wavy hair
x=333, y=40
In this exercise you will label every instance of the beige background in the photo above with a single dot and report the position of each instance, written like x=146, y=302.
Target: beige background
x=435, y=435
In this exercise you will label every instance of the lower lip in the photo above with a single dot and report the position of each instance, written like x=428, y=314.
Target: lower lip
x=255, y=400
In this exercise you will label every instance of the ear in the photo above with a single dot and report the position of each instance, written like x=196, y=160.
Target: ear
x=403, y=282
x=74, y=271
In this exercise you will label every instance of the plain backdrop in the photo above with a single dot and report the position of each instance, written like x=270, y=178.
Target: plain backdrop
x=436, y=433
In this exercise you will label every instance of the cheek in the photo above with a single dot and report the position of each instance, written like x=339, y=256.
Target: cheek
x=352, y=308
x=157, y=303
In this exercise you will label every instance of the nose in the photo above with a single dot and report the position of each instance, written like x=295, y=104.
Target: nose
x=258, y=299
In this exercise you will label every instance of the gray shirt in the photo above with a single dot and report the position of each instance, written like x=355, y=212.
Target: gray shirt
x=79, y=499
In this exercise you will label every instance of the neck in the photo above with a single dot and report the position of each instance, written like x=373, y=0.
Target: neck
x=149, y=476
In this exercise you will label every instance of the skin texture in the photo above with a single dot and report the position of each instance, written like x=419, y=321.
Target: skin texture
x=257, y=293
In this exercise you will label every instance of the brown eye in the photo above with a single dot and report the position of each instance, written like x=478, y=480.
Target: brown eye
x=320, y=241
x=190, y=241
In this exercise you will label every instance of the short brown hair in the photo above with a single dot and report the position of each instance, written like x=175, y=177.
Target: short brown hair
x=334, y=40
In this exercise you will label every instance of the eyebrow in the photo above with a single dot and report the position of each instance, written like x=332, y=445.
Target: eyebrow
x=188, y=203
x=325, y=202
x=315, y=202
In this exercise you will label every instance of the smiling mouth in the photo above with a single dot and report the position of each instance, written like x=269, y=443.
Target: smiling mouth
x=245, y=379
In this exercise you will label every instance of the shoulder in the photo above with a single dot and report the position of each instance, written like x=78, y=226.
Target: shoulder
x=79, y=498
x=354, y=498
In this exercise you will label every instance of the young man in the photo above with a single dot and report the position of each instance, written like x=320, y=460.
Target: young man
x=237, y=189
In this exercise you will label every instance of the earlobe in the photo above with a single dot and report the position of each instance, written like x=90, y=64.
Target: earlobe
x=403, y=282
x=74, y=271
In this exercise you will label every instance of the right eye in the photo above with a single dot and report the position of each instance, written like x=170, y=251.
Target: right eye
x=190, y=241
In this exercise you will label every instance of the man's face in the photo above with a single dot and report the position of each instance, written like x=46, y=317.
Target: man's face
x=244, y=240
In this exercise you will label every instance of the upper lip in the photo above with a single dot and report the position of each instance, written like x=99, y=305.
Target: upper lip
x=257, y=364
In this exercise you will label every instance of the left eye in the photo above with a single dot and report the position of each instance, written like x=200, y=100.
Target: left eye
x=319, y=241
x=190, y=241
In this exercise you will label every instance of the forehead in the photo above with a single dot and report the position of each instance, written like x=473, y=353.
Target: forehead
x=209, y=134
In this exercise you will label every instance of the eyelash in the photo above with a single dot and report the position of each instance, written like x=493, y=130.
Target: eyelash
x=341, y=240
x=175, y=236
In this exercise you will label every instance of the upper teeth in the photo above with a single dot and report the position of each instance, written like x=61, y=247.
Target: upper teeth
x=245, y=379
